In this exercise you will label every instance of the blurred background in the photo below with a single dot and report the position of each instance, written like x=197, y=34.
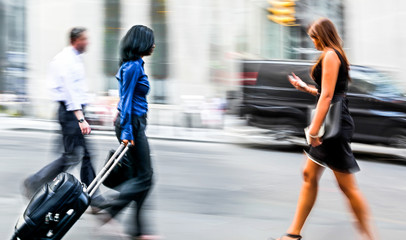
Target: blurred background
x=230, y=174
x=198, y=43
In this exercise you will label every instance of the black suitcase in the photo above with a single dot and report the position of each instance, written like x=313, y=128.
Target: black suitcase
x=59, y=204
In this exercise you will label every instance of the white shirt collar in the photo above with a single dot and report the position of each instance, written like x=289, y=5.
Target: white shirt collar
x=75, y=51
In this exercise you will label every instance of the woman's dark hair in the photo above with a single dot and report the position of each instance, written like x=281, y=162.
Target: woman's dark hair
x=139, y=41
x=325, y=31
x=75, y=33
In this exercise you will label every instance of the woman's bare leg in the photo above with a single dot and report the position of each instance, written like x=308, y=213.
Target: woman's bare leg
x=308, y=194
x=358, y=204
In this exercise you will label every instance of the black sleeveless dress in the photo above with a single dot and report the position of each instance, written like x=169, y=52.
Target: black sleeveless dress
x=336, y=153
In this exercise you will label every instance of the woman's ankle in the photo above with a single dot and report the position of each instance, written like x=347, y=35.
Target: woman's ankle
x=293, y=231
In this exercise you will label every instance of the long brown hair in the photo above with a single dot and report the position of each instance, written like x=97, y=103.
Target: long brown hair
x=325, y=31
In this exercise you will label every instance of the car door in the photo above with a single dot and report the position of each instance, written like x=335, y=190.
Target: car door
x=365, y=107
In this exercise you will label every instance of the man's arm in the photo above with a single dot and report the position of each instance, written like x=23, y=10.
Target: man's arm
x=84, y=126
x=73, y=97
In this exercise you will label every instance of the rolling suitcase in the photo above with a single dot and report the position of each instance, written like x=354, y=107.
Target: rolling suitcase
x=59, y=204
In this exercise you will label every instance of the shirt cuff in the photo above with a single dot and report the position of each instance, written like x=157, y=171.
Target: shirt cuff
x=127, y=135
x=73, y=106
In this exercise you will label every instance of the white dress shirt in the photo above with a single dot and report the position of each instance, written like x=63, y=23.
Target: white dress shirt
x=67, y=79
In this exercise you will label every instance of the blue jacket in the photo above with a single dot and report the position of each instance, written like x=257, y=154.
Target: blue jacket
x=133, y=89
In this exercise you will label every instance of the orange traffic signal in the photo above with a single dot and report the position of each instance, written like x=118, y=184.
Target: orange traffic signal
x=283, y=12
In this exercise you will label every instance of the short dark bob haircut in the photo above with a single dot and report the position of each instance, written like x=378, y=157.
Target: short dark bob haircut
x=75, y=33
x=138, y=42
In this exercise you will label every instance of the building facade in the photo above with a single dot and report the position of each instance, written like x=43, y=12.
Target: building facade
x=13, y=47
x=197, y=42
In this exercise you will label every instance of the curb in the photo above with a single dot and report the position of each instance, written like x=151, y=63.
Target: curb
x=112, y=134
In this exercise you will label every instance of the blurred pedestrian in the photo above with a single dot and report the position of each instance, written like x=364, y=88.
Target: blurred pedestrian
x=68, y=89
x=131, y=122
x=331, y=76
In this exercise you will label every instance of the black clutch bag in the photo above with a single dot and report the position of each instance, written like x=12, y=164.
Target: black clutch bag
x=121, y=172
x=332, y=122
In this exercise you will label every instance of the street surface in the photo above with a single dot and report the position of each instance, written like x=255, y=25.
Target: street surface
x=215, y=191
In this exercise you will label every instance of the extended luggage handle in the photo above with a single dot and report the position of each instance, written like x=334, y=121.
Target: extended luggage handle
x=108, y=167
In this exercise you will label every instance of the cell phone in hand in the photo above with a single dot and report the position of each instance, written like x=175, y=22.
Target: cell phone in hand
x=300, y=82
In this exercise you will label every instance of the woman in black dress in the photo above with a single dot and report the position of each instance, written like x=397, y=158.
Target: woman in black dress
x=330, y=73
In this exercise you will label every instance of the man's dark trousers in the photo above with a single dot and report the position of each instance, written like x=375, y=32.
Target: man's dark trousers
x=74, y=147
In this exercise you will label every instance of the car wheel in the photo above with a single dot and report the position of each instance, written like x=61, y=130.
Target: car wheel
x=398, y=139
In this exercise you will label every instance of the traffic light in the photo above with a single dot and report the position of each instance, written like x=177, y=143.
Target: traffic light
x=283, y=12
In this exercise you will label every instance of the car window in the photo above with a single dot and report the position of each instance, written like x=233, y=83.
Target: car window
x=360, y=82
x=369, y=81
x=276, y=74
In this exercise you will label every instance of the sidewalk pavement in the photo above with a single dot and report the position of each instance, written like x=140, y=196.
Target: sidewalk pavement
x=235, y=131
x=153, y=131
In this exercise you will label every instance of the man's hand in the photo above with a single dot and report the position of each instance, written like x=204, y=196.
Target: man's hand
x=85, y=128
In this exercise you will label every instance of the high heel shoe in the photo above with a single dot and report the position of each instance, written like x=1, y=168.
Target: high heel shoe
x=289, y=236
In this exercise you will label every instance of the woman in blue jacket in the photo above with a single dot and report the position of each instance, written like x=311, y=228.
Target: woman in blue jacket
x=131, y=120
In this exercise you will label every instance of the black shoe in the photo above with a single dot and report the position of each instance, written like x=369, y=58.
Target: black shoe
x=98, y=201
x=97, y=204
x=290, y=236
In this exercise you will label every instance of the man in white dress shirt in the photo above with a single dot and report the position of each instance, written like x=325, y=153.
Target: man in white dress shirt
x=68, y=88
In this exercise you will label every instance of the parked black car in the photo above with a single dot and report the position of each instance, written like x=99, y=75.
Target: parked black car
x=376, y=103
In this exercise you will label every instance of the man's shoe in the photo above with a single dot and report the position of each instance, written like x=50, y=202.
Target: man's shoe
x=98, y=201
x=97, y=204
